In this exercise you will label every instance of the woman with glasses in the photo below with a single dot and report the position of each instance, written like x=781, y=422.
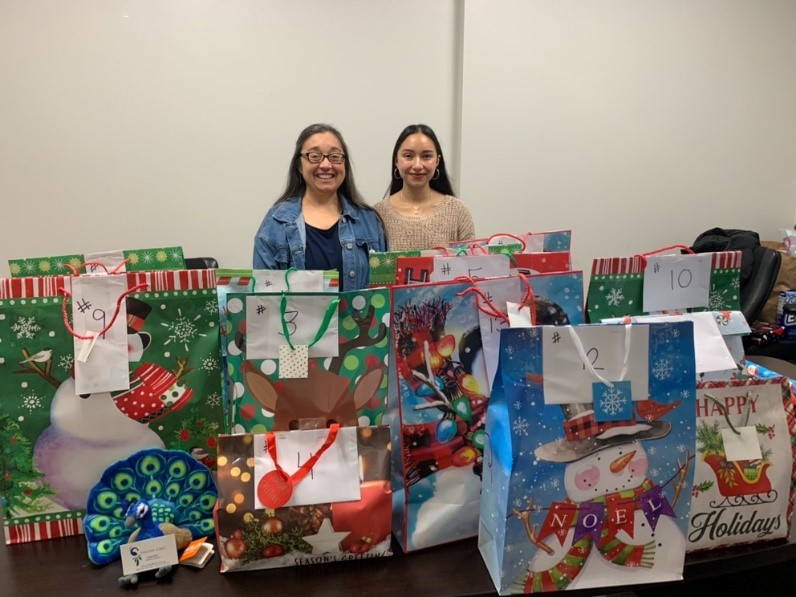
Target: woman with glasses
x=421, y=210
x=320, y=221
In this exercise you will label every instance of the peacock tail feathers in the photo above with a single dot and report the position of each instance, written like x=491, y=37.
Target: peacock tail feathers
x=179, y=489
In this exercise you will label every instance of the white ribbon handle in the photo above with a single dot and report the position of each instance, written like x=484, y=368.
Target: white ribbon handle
x=587, y=363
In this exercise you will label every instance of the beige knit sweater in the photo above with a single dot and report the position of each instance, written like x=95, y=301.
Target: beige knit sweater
x=450, y=221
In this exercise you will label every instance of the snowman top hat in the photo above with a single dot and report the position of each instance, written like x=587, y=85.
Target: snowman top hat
x=137, y=312
x=585, y=435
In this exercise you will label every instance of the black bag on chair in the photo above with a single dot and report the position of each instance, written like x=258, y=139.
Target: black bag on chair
x=759, y=265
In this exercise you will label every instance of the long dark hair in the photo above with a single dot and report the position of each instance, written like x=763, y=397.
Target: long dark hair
x=296, y=185
x=442, y=183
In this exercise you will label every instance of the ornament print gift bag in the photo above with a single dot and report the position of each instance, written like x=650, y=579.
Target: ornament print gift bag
x=328, y=499
x=744, y=475
x=587, y=468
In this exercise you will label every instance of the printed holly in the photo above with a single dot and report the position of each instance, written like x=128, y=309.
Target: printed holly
x=197, y=435
x=271, y=536
x=21, y=486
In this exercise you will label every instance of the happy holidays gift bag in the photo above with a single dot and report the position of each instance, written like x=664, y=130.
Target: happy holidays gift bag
x=745, y=467
x=650, y=283
x=437, y=403
x=344, y=381
x=587, y=468
x=60, y=442
x=328, y=500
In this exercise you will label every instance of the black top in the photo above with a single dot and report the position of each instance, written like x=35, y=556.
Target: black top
x=323, y=250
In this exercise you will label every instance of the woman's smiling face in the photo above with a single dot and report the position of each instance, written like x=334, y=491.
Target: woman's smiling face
x=323, y=178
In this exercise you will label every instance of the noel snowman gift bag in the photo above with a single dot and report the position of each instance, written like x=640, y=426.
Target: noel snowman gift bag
x=745, y=467
x=588, y=458
x=58, y=438
x=308, y=496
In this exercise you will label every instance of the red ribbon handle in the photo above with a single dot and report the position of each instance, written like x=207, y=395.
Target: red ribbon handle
x=305, y=468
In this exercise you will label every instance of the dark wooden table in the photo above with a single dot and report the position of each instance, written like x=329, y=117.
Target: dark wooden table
x=61, y=567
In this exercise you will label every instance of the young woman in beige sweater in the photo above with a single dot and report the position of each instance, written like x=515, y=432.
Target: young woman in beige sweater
x=421, y=210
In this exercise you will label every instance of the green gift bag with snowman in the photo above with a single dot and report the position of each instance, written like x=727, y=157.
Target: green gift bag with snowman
x=58, y=438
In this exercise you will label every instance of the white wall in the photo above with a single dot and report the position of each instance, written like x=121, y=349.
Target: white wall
x=141, y=123
x=636, y=124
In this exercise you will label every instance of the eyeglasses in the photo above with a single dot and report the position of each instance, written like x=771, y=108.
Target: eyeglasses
x=316, y=157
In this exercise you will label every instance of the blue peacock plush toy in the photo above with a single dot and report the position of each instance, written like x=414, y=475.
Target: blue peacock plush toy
x=151, y=493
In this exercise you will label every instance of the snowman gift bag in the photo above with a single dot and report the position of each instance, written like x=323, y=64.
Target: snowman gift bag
x=63, y=422
x=588, y=463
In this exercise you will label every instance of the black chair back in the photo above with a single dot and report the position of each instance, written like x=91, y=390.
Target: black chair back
x=201, y=263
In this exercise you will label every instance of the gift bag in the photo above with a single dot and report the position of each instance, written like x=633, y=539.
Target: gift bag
x=383, y=267
x=328, y=500
x=438, y=396
x=715, y=340
x=59, y=442
x=245, y=281
x=532, y=242
x=744, y=474
x=621, y=286
x=588, y=463
x=545, y=299
x=441, y=268
x=347, y=384
x=153, y=259
x=530, y=253
x=228, y=280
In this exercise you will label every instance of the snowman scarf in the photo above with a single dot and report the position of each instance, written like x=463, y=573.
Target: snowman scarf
x=648, y=497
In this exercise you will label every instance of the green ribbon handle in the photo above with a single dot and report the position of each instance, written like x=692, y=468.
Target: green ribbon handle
x=327, y=318
x=289, y=271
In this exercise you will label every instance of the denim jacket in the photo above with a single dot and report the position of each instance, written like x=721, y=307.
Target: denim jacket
x=281, y=240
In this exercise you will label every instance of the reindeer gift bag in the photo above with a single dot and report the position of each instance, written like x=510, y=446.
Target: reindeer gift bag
x=294, y=356
x=61, y=436
x=745, y=472
x=588, y=462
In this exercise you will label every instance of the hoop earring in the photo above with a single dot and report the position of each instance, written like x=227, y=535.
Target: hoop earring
x=436, y=175
x=395, y=174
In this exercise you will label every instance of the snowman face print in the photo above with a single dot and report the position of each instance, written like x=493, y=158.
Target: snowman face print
x=606, y=471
